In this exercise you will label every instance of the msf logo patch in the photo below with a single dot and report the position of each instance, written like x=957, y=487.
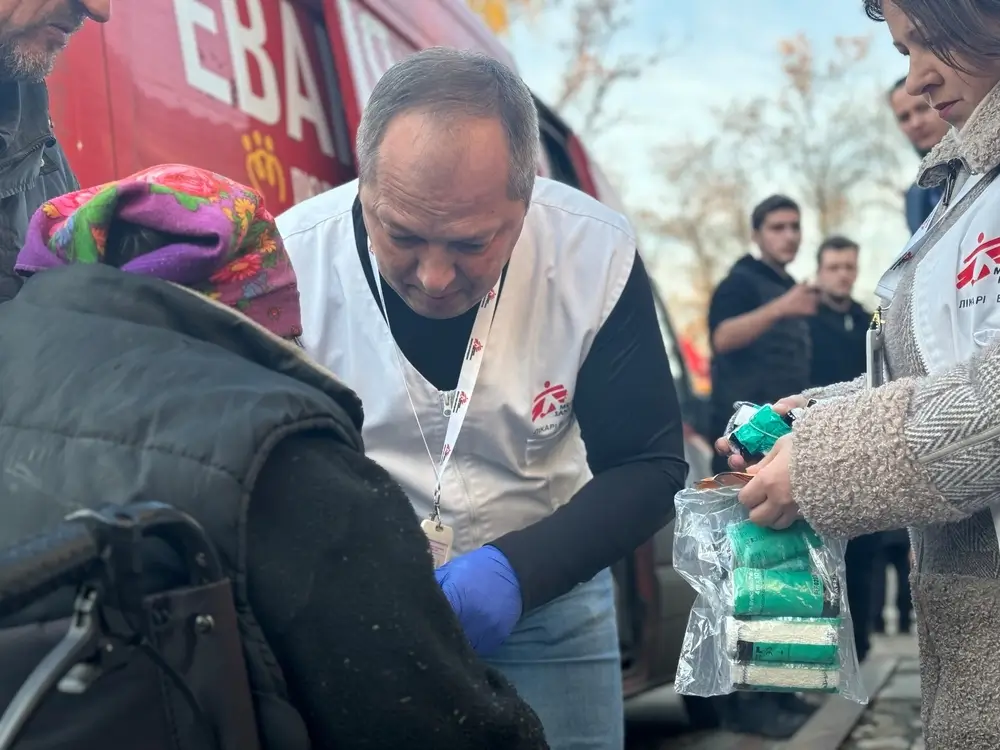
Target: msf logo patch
x=980, y=263
x=549, y=407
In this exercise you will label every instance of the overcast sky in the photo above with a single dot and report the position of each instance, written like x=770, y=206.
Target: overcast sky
x=720, y=50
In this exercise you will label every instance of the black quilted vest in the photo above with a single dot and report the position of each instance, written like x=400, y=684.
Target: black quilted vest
x=116, y=388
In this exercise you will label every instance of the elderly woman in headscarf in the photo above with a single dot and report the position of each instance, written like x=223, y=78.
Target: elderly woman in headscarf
x=151, y=355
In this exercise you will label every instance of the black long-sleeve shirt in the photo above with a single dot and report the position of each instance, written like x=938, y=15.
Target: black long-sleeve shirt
x=629, y=418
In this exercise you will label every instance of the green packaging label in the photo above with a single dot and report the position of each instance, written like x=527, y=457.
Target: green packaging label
x=759, y=435
x=795, y=565
x=786, y=653
x=756, y=547
x=771, y=593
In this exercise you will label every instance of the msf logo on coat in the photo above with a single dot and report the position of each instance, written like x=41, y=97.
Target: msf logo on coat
x=550, y=407
x=982, y=262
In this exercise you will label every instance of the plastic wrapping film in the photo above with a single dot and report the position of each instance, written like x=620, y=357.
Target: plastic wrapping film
x=771, y=612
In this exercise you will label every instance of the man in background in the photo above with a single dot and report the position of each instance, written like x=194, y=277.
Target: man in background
x=759, y=297
x=924, y=128
x=839, y=326
x=759, y=334
x=838, y=355
x=33, y=168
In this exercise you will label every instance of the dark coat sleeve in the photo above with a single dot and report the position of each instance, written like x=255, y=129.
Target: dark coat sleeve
x=342, y=583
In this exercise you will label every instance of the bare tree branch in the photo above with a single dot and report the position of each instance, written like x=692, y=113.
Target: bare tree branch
x=594, y=69
x=830, y=143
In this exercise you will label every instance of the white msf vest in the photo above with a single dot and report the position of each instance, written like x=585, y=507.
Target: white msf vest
x=955, y=309
x=519, y=455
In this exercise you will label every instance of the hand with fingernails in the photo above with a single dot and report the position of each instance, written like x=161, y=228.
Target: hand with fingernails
x=768, y=495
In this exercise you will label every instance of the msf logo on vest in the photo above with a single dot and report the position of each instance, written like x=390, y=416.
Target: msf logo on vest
x=549, y=408
x=982, y=263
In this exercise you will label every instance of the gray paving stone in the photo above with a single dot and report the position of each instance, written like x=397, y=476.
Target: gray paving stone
x=908, y=666
x=884, y=743
x=902, y=687
x=892, y=724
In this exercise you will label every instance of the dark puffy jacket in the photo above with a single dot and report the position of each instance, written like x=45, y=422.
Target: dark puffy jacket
x=118, y=387
x=33, y=169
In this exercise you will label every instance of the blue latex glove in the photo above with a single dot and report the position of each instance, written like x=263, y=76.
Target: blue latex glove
x=483, y=590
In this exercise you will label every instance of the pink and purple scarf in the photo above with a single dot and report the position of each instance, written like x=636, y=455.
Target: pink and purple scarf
x=180, y=224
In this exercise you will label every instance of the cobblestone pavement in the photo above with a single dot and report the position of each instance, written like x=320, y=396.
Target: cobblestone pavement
x=892, y=721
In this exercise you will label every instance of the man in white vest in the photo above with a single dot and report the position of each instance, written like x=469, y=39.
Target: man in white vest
x=501, y=333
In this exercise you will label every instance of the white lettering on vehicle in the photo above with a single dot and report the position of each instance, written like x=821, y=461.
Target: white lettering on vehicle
x=247, y=42
x=303, y=100
x=192, y=15
x=371, y=47
x=307, y=104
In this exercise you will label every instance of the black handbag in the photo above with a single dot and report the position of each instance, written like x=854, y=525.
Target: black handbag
x=136, y=664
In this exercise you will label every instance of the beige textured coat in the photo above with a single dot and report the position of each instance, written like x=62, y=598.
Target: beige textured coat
x=924, y=452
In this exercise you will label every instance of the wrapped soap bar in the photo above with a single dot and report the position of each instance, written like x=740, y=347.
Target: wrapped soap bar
x=757, y=547
x=776, y=593
x=771, y=611
x=783, y=640
x=755, y=438
x=779, y=678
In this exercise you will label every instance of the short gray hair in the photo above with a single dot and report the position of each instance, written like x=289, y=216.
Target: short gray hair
x=448, y=81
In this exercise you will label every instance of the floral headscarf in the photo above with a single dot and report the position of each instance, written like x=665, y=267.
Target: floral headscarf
x=179, y=224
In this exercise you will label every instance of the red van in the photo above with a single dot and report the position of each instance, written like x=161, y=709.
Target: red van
x=270, y=92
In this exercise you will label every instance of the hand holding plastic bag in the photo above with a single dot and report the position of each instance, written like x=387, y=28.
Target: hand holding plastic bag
x=768, y=496
x=771, y=612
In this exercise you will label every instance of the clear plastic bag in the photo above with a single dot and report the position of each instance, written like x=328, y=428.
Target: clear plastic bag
x=771, y=612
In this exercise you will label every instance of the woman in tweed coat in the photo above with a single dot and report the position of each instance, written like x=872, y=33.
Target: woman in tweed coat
x=923, y=449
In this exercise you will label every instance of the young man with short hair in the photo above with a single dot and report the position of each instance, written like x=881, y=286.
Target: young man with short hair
x=924, y=128
x=757, y=318
x=761, y=352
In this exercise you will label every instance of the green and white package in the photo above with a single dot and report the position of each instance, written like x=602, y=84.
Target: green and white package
x=784, y=640
x=779, y=593
x=754, y=546
x=758, y=435
x=795, y=565
x=771, y=613
x=785, y=678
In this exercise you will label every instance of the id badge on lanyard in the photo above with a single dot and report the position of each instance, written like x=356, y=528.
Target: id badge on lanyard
x=440, y=536
x=875, y=351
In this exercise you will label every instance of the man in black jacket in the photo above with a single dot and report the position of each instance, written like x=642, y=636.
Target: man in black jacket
x=33, y=168
x=756, y=321
x=838, y=328
x=838, y=338
x=760, y=353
